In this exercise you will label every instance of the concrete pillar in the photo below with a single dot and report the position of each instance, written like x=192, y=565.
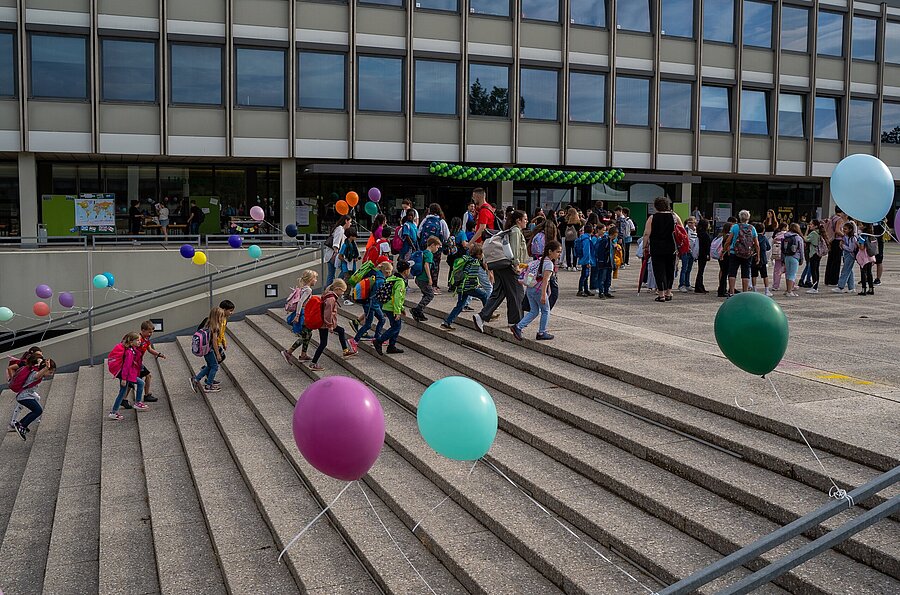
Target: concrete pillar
x=828, y=203
x=505, y=196
x=686, y=192
x=28, y=195
x=288, y=207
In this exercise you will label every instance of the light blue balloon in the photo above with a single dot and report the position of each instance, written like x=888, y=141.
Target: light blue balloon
x=457, y=418
x=254, y=251
x=100, y=281
x=863, y=187
x=110, y=278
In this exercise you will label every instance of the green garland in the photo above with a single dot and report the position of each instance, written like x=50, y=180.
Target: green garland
x=458, y=171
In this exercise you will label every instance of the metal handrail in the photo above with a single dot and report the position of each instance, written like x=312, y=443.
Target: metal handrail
x=42, y=241
x=262, y=239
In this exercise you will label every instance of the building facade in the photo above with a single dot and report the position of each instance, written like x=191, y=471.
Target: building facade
x=725, y=104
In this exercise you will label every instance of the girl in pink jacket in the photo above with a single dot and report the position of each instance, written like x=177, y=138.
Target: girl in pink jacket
x=330, y=325
x=128, y=376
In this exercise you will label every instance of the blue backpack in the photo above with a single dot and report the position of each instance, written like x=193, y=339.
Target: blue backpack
x=579, y=248
x=417, y=263
x=431, y=226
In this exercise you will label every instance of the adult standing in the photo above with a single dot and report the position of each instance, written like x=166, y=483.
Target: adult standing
x=469, y=215
x=135, y=218
x=771, y=225
x=705, y=242
x=834, y=233
x=742, y=243
x=506, y=278
x=162, y=211
x=333, y=245
x=195, y=218
x=659, y=235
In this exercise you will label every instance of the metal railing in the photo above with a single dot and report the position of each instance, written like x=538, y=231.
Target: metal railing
x=172, y=241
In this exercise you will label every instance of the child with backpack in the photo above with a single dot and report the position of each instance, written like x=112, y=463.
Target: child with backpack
x=144, y=347
x=380, y=250
x=12, y=366
x=373, y=306
x=124, y=364
x=585, y=254
x=208, y=343
x=760, y=269
x=465, y=284
x=777, y=257
x=818, y=247
x=392, y=297
x=792, y=256
x=865, y=257
x=321, y=315
x=849, y=247
x=348, y=256
x=537, y=283
x=295, y=304
x=423, y=277
x=29, y=374
x=605, y=259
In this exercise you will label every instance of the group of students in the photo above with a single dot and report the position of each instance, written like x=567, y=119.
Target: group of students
x=126, y=363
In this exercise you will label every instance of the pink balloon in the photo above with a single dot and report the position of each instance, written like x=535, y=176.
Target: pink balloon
x=257, y=213
x=339, y=427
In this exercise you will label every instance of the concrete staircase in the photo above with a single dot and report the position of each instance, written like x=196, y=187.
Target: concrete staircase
x=598, y=482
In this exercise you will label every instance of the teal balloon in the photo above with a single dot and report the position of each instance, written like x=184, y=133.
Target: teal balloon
x=752, y=331
x=457, y=418
x=371, y=209
x=254, y=251
x=110, y=278
x=6, y=314
x=101, y=281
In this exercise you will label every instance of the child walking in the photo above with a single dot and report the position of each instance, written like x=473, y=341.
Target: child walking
x=393, y=309
x=424, y=279
x=349, y=258
x=296, y=302
x=373, y=306
x=28, y=376
x=215, y=324
x=13, y=366
x=464, y=283
x=129, y=376
x=865, y=256
x=330, y=324
x=537, y=281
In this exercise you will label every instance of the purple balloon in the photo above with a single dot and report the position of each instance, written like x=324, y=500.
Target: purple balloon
x=897, y=224
x=187, y=251
x=43, y=291
x=339, y=427
x=374, y=194
x=66, y=299
x=235, y=241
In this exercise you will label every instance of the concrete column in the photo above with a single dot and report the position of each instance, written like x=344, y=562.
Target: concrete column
x=505, y=194
x=28, y=195
x=828, y=203
x=686, y=192
x=288, y=207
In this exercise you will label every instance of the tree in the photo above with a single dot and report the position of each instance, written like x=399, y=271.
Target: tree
x=892, y=137
x=482, y=103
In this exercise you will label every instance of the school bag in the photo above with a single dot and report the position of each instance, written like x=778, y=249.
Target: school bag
x=537, y=244
x=430, y=227
x=822, y=246
x=366, y=270
x=362, y=291
x=115, y=359
x=776, y=250
x=384, y=293
x=533, y=274
x=498, y=252
x=450, y=248
x=396, y=243
x=201, y=342
x=743, y=247
x=790, y=245
x=417, y=263
x=19, y=380
x=682, y=242
x=313, y=315
x=571, y=233
x=293, y=300
x=458, y=272
x=715, y=248
x=372, y=253
x=871, y=246
x=579, y=248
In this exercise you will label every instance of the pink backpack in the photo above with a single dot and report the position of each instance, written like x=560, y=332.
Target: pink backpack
x=200, y=342
x=116, y=359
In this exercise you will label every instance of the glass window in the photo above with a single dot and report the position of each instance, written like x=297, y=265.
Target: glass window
x=678, y=18
x=7, y=65
x=633, y=15
x=718, y=20
x=321, y=80
x=499, y=8
x=790, y=115
x=715, y=109
x=587, y=97
x=380, y=84
x=435, y=87
x=891, y=42
x=861, y=115
x=754, y=112
x=538, y=94
x=830, y=40
x=58, y=66
x=890, y=123
x=448, y=5
x=196, y=74
x=794, y=28
x=632, y=101
x=383, y=2
x=129, y=70
x=588, y=12
x=757, y=24
x=825, y=118
x=674, y=105
x=260, y=77
x=489, y=90
x=864, y=33
x=9, y=199
x=541, y=10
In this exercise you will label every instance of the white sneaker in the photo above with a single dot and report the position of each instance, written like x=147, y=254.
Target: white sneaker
x=768, y=292
x=682, y=289
x=794, y=294
x=479, y=322
x=348, y=302
x=812, y=291
x=837, y=290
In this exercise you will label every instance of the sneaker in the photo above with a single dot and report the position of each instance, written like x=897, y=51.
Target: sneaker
x=863, y=292
x=837, y=290
x=589, y=293
x=215, y=383
x=447, y=327
x=195, y=386
x=516, y=331
x=871, y=292
x=394, y=349
x=600, y=295
x=495, y=316
x=127, y=405
x=468, y=309
x=378, y=349
x=150, y=399
x=348, y=302
x=793, y=294
x=21, y=430
x=419, y=316
x=116, y=416
x=316, y=367
x=812, y=291
x=303, y=358
x=479, y=322
x=349, y=353
x=768, y=292
x=212, y=388
x=354, y=346
x=877, y=282
x=544, y=337
x=140, y=406
x=608, y=296
x=286, y=355
x=683, y=289
x=354, y=324
x=580, y=294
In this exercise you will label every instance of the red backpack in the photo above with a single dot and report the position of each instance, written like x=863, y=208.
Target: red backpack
x=115, y=359
x=313, y=317
x=17, y=384
x=682, y=242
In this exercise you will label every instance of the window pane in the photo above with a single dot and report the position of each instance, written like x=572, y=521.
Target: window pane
x=678, y=18
x=380, y=84
x=321, y=80
x=129, y=70
x=757, y=24
x=541, y=10
x=383, y=2
x=587, y=97
x=435, y=87
x=539, y=92
x=58, y=66
x=794, y=28
x=633, y=15
x=891, y=42
x=890, y=123
x=632, y=101
x=489, y=90
x=830, y=40
x=450, y=5
x=790, y=115
x=860, y=125
x=674, y=105
x=260, y=77
x=498, y=8
x=718, y=20
x=825, y=118
x=864, y=32
x=196, y=74
x=589, y=12
x=7, y=65
x=754, y=112
x=715, y=109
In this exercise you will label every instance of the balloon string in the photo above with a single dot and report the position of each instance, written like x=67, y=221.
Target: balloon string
x=439, y=504
x=47, y=328
x=572, y=533
x=312, y=522
x=835, y=491
x=386, y=530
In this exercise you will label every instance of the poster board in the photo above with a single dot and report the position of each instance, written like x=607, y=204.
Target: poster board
x=638, y=214
x=58, y=214
x=95, y=214
x=307, y=215
x=210, y=206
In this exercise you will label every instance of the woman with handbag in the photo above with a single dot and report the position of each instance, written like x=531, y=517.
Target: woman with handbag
x=659, y=235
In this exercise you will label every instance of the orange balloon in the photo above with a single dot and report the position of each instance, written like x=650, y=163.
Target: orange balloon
x=41, y=309
x=352, y=198
x=342, y=207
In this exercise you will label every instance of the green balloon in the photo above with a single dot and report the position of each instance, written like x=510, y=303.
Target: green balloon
x=752, y=332
x=371, y=209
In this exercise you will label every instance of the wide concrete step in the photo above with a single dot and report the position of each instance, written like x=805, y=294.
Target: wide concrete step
x=73, y=559
x=243, y=544
x=23, y=554
x=185, y=557
x=321, y=561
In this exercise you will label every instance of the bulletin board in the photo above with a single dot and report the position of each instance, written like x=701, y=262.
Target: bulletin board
x=638, y=214
x=58, y=214
x=211, y=207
